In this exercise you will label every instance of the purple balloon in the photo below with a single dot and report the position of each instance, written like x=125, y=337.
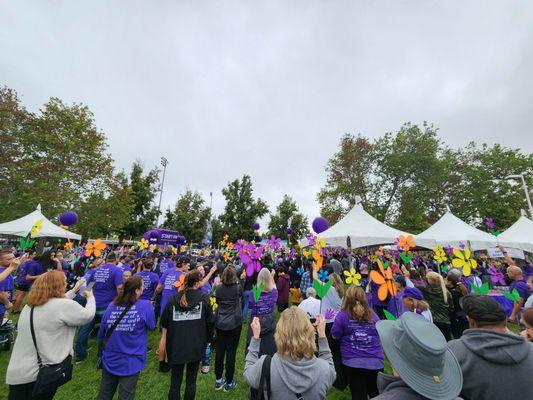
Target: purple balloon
x=68, y=218
x=320, y=224
x=256, y=226
x=289, y=231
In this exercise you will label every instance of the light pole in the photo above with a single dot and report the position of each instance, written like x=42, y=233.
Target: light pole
x=164, y=163
x=524, y=185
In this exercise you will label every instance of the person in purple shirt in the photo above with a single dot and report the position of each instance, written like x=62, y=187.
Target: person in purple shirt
x=167, y=284
x=108, y=281
x=264, y=308
x=361, y=353
x=165, y=265
x=43, y=263
x=150, y=280
x=519, y=283
x=206, y=284
x=6, y=293
x=124, y=351
x=22, y=286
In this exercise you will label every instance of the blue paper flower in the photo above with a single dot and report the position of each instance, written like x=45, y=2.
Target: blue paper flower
x=323, y=275
x=299, y=271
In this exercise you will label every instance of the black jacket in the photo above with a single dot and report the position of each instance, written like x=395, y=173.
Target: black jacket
x=189, y=329
x=229, y=312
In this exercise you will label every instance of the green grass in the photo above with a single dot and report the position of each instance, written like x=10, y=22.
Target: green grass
x=153, y=384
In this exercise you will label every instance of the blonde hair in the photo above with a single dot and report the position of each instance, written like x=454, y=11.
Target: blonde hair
x=338, y=284
x=266, y=279
x=295, y=336
x=435, y=278
x=50, y=285
x=356, y=305
x=418, y=304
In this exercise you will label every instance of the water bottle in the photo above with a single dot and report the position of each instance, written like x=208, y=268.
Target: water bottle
x=207, y=359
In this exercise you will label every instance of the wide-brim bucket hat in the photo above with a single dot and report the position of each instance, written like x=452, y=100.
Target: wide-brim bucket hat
x=417, y=350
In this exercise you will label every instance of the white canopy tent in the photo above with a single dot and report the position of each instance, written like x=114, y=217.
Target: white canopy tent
x=22, y=227
x=452, y=231
x=519, y=235
x=363, y=230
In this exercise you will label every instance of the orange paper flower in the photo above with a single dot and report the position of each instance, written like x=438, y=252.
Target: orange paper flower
x=180, y=283
x=69, y=245
x=94, y=248
x=319, y=260
x=405, y=243
x=385, y=279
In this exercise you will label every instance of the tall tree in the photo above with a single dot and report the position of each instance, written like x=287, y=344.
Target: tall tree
x=348, y=176
x=144, y=188
x=241, y=210
x=189, y=216
x=106, y=213
x=288, y=215
x=57, y=157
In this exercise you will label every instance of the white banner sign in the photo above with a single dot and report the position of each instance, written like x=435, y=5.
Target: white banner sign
x=495, y=252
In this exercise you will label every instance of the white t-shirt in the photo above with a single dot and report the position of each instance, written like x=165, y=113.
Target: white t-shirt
x=311, y=306
x=529, y=302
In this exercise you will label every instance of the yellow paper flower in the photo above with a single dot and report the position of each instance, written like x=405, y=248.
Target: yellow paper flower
x=94, y=248
x=352, y=277
x=174, y=250
x=229, y=246
x=464, y=261
x=214, y=304
x=143, y=244
x=183, y=248
x=37, y=227
x=153, y=247
x=320, y=243
x=439, y=254
x=306, y=253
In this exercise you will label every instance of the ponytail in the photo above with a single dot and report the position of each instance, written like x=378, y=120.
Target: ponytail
x=191, y=280
x=434, y=277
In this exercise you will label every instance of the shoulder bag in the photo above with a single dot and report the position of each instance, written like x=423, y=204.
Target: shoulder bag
x=49, y=377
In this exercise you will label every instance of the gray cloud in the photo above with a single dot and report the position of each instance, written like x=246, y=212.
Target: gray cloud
x=267, y=88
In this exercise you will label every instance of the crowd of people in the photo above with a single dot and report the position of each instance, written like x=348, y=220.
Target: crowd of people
x=307, y=328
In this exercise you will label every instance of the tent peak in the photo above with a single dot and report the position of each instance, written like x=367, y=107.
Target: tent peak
x=38, y=207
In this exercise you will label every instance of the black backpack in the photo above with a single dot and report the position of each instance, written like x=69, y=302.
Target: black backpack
x=259, y=394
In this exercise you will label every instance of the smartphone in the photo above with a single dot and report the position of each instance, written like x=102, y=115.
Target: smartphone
x=89, y=287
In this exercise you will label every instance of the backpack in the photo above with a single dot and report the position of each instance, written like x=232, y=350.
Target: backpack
x=264, y=383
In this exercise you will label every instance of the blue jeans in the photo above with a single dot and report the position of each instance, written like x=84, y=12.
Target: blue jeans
x=84, y=332
x=245, y=307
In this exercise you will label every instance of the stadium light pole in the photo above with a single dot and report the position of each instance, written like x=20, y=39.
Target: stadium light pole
x=164, y=163
x=526, y=190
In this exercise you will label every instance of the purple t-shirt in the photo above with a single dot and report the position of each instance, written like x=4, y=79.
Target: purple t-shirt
x=150, y=281
x=7, y=285
x=522, y=289
x=23, y=271
x=169, y=289
x=164, y=266
x=124, y=268
x=125, y=351
x=360, y=346
x=265, y=304
x=35, y=269
x=206, y=289
x=106, y=279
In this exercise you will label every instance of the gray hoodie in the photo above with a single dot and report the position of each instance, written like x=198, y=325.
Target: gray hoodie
x=495, y=365
x=309, y=377
x=394, y=388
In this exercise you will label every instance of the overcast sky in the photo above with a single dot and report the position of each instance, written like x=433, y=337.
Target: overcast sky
x=267, y=88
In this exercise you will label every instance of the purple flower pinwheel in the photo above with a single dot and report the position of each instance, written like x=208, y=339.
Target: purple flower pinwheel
x=448, y=250
x=496, y=276
x=490, y=223
x=312, y=240
x=274, y=242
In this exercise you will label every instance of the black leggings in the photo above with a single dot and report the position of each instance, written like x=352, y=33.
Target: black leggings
x=24, y=391
x=362, y=382
x=226, y=346
x=190, y=381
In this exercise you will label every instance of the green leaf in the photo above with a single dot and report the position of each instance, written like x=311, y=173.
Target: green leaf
x=257, y=289
x=483, y=289
x=322, y=289
x=406, y=257
x=26, y=243
x=389, y=316
x=385, y=264
x=514, y=296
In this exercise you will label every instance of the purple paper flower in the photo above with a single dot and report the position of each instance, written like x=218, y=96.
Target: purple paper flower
x=496, y=275
x=449, y=250
x=462, y=246
x=416, y=261
x=274, y=242
x=490, y=223
x=312, y=240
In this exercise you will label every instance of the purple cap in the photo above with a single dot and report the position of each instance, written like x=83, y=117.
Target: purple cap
x=413, y=293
